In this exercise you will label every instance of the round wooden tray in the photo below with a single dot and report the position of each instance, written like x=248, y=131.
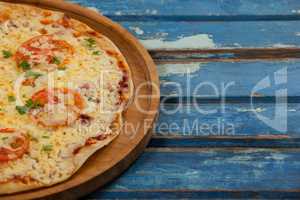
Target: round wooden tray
x=110, y=161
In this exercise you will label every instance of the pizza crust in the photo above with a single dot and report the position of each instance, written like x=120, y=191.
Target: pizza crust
x=16, y=185
x=79, y=159
x=83, y=155
x=85, y=152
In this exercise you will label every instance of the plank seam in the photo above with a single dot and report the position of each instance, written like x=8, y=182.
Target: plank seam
x=202, y=18
x=222, y=55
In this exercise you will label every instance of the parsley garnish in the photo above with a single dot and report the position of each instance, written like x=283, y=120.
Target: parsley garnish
x=47, y=147
x=6, y=54
x=25, y=65
x=28, y=106
x=61, y=68
x=21, y=109
x=32, y=104
x=96, y=53
x=55, y=60
x=11, y=98
x=46, y=136
x=90, y=42
x=4, y=138
x=33, y=74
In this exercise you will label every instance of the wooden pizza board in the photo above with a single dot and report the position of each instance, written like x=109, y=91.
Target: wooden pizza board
x=109, y=162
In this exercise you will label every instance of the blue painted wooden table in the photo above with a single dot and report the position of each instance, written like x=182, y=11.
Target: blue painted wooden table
x=230, y=91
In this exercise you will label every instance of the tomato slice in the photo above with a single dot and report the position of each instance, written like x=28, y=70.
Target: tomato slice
x=53, y=96
x=16, y=146
x=59, y=107
x=44, y=96
x=41, y=51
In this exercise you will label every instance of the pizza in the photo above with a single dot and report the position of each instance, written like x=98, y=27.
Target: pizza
x=63, y=89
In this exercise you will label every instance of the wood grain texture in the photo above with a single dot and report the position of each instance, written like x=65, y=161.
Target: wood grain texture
x=116, y=157
x=195, y=194
x=192, y=7
x=230, y=79
x=212, y=39
x=210, y=35
x=242, y=24
x=262, y=141
x=231, y=120
x=222, y=55
x=210, y=170
x=209, y=38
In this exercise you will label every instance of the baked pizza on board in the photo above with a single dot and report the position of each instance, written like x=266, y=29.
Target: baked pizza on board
x=63, y=88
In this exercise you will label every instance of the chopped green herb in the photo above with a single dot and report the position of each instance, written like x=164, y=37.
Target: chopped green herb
x=28, y=105
x=46, y=136
x=90, y=42
x=32, y=104
x=32, y=74
x=47, y=147
x=55, y=60
x=25, y=65
x=61, y=68
x=22, y=109
x=33, y=139
x=11, y=98
x=6, y=54
x=4, y=138
x=96, y=53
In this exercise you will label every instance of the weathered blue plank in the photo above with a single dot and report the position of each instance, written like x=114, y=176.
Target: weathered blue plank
x=231, y=120
x=156, y=33
x=193, y=7
x=217, y=79
x=207, y=35
x=212, y=170
x=194, y=194
x=274, y=141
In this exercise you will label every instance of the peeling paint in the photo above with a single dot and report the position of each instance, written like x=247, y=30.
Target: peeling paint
x=137, y=30
x=276, y=156
x=151, y=12
x=178, y=69
x=237, y=45
x=118, y=13
x=279, y=45
x=257, y=110
x=296, y=11
x=203, y=41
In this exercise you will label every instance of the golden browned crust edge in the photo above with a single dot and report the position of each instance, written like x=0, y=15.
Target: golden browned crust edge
x=83, y=155
x=15, y=186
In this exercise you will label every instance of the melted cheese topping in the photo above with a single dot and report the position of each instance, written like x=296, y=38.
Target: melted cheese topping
x=90, y=71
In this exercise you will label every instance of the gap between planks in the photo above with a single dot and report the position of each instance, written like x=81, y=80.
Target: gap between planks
x=202, y=18
x=223, y=149
x=197, y=194
x=162, y=56
x=194, y=142
x=195, y=190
